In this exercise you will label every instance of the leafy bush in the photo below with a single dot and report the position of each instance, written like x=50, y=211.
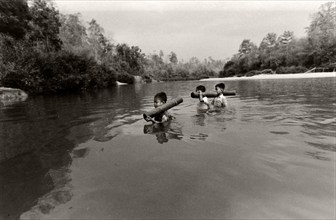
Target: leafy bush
x=59, y=72
x=147, y=78
x=252, y=73
x=267, y=71
x=291, y=69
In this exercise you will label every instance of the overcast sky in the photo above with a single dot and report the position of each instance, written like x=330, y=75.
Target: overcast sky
x=193, y=28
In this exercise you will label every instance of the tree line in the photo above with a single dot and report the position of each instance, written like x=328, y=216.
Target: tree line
x=44, y=51
x=286, y=53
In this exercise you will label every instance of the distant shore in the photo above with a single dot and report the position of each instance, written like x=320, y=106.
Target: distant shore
x=277, y=76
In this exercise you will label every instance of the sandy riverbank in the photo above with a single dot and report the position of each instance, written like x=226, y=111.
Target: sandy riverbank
x=278, y=76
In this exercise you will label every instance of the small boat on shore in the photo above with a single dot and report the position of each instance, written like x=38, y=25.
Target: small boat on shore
x=121, y=83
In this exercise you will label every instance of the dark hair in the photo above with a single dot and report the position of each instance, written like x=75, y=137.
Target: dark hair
x=162, y=96
x=200, y=87
x=220, y=85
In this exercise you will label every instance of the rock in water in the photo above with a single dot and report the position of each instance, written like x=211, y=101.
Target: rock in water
x=10, y=95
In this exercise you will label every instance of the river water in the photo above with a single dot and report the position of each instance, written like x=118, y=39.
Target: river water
x=269, y=154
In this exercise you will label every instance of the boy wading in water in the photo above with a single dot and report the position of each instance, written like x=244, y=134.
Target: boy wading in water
x=204, y=103
x=220, y=100
x=160, y=99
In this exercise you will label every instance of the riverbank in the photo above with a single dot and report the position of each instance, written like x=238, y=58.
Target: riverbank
x=277, y=76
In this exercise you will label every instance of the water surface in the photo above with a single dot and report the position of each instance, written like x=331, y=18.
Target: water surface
x=269, y=154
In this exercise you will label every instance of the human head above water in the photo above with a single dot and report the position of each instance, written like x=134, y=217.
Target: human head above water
x=220, y=86
x=159, y=99
x=200, y=88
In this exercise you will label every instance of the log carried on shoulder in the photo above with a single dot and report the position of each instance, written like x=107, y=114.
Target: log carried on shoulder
x=212, y=94
x=160, y=109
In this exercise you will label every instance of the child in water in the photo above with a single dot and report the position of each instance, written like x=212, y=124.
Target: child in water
x=220, y=100
x=160, y=99
x=204, y=103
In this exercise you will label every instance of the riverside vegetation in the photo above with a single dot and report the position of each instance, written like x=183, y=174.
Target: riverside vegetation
x=44, y=51
x=286, y=53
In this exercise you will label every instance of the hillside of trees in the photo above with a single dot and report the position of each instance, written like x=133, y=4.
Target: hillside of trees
x=44, y=51
x=286, y=53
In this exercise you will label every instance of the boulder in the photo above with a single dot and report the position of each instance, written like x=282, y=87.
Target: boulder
x=9, y=95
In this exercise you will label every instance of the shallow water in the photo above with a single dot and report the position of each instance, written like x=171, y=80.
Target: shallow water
x=269, y=154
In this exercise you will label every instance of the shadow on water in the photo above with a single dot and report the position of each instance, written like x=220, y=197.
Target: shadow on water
x=37, y=144
x=33, y=177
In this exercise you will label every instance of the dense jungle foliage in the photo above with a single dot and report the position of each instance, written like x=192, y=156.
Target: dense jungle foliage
x=44, y=51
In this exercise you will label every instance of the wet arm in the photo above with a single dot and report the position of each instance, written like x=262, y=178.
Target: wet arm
x=224, y=101
x=201, y=96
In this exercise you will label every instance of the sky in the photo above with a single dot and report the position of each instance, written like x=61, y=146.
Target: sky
x=199, y=29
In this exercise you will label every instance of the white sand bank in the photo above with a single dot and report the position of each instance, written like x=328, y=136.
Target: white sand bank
x=277, y=76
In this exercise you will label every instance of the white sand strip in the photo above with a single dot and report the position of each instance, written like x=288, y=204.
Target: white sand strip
x=277, y=76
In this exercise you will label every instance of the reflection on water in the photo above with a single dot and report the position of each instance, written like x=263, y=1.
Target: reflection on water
x=164, y=131
x=269, y=154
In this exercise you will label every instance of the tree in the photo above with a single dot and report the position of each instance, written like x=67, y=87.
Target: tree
x=229, y=69
x=72, y=32
x=130, y=59
x=322, y=35
x=173, y=58
x=157, y=60
x=286, y=45
x=194, y=61
x=268, y=42
x=161, y=54
x=246, y=47
x=14, y=17
x=286, y=37
x=267, y=50
x=100, y=45
x=45, y=24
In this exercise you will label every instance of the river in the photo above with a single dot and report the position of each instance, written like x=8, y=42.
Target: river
x=269, y=155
